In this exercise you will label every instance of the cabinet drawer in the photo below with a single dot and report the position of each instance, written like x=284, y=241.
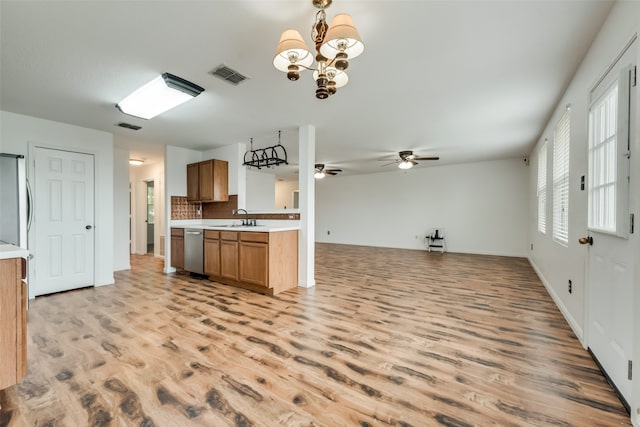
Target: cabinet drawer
x=252, y=236
x=211, y=234
x=177, y=232
x=229, y=235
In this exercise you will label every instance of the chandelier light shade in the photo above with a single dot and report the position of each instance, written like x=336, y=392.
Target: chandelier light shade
x=339, y=77
x=334, y=44
x=159, y=95
x=342, y=36
x=292, y=51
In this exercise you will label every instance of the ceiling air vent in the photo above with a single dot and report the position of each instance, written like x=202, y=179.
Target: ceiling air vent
x=228, y=74
x=129, y=126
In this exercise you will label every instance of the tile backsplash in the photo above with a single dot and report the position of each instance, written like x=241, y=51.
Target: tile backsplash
x=182, y=209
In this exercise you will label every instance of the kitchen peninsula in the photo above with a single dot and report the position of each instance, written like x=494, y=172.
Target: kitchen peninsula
x=13, y=315
x=260, y=258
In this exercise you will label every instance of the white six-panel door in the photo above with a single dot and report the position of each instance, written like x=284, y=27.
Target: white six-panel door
x=64, y=221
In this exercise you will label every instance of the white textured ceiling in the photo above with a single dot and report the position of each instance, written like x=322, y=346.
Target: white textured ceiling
x=465, y=80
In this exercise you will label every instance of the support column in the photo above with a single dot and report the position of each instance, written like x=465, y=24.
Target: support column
x=306, y=186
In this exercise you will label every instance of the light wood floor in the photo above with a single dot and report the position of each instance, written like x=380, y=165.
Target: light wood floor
x=387, y=337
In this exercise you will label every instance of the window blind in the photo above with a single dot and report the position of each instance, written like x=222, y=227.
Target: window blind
x=542, y=188
x=561, y=139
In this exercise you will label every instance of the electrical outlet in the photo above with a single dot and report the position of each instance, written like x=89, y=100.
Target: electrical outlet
x=570, y=286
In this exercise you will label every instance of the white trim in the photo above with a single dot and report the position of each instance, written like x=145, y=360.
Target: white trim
x=563, y=309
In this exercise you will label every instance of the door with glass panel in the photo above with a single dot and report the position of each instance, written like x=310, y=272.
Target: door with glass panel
x=610, y=259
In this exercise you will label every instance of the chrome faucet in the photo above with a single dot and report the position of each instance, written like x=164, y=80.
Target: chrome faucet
x=246, y=220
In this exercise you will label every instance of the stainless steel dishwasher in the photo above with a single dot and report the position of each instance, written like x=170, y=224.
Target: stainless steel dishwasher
x=194, y=250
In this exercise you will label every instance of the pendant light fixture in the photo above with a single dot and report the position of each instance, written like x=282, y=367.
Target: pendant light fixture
x=335, y=44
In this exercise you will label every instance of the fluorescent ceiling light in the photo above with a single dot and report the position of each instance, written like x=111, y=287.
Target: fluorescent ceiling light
x=159, y=95
x=135, y=162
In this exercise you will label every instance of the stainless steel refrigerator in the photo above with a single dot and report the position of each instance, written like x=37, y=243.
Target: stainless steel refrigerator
x=15, y=206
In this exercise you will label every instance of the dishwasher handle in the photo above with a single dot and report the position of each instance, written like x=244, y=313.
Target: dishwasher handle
x=196, y=233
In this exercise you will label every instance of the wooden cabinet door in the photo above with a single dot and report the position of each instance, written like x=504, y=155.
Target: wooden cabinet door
x=12, y=323
x=229, y=259
x=212, y=257
x=220, y=180
x=193, y=182
x=177, y=252
x=254, y=263
x=206, y=181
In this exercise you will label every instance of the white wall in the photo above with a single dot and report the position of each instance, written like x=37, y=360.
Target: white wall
x=555, y=263
x=176, y=160
x=140, y=175
x=284, y=194
x=482, y=207
x=19, y=133
x=233, y=154
x=121, y=210
x=260, y=190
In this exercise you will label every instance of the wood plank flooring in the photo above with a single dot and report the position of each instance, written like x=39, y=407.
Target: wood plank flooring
x=386, y=338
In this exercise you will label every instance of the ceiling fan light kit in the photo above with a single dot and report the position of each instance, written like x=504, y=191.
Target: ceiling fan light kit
x=321, y=171
x=405, y=164
x=406, y=159
x=335, y=44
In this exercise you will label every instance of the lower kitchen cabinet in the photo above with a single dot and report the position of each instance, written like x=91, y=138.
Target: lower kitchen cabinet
x=212, y=253
x=263, y=261
x=229, y=255
x=13, y=322
x=177, y=248
x=254, y=263
x=254, y=258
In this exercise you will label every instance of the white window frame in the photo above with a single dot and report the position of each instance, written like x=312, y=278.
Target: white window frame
x=542, y=188
x=610, y=170
x=561, y=169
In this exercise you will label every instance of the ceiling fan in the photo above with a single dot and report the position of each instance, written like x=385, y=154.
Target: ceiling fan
x=322, y=171
x=407, y=159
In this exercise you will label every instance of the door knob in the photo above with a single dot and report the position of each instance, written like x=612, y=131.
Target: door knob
x=585, y=240
x=88, y=227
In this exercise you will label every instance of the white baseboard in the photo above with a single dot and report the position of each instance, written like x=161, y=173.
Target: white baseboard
x=563, y=309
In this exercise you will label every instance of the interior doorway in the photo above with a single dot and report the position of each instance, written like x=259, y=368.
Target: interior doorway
x=150, y=216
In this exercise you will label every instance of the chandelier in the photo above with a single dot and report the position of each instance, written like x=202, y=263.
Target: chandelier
x=335, y=44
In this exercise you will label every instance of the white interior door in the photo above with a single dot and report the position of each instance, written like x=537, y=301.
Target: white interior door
x=64, y=215
x=610, y=256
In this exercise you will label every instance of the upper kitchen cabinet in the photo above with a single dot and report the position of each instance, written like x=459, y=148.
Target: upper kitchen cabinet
x=208, y=181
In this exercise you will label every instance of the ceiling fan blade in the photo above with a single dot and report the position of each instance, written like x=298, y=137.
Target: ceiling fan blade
x=330, y=172
x=388, y=159
x=426, y=158
x=391, y=163
x=333, y=170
